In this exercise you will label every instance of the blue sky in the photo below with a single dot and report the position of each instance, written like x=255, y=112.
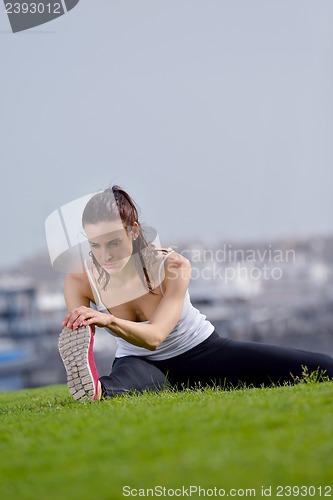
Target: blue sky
x=216, y=116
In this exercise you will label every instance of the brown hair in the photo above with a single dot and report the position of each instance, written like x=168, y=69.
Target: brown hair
x=107, y=206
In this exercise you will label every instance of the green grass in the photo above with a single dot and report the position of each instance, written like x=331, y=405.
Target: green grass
x=54, y=448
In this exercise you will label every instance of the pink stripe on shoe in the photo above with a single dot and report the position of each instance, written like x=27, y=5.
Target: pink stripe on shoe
x=91, y=363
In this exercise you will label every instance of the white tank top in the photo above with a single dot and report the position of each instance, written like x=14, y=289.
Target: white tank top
x=191, y=329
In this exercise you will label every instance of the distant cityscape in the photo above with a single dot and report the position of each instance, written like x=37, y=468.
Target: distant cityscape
x=279, y=292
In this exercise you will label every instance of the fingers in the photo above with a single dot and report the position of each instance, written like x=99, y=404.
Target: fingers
x=78, y=317
x=84, y=316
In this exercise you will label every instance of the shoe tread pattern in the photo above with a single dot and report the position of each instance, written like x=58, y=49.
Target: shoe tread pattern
x=73, y=348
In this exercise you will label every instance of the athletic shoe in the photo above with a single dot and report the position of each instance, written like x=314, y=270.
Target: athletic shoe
x=76, y=351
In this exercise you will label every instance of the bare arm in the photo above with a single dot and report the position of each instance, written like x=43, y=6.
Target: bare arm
x=77, y=291
x=164, y=319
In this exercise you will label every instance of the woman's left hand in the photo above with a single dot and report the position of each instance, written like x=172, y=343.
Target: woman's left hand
x=84, y=316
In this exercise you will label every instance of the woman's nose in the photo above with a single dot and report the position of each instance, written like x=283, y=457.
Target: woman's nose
x=107, y=254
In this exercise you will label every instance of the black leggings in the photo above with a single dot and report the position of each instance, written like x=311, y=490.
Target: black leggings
x=215, y=362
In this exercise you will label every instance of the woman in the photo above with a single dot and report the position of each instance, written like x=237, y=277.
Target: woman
x=141, y=296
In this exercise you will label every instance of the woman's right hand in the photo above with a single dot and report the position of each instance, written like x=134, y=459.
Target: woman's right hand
x=85, y=316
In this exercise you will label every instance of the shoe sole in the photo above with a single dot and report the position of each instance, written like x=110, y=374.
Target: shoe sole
x=76, y=351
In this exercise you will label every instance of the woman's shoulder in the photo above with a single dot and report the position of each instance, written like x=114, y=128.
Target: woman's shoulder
x=78, y=281
x=173, y=258
x=176, y=268
x=77, y=290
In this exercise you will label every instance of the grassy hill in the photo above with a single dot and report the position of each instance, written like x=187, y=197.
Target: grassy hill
x=54, y=448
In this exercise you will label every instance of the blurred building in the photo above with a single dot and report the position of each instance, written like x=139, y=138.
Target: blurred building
x=278, y=293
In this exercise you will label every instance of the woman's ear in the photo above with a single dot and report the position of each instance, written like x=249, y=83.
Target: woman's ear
x=135, y=230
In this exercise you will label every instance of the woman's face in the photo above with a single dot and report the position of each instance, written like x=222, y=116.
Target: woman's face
x=110, y=244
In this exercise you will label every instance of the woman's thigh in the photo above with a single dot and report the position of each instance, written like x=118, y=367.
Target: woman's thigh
x=132, y=373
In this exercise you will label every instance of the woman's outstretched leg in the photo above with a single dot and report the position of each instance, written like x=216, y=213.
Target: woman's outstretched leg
x=225, y=362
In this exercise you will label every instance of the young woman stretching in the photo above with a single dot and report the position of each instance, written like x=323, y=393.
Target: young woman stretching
x=141, y=296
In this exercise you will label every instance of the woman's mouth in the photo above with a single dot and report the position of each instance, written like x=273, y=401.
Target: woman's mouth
x=109, y=266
